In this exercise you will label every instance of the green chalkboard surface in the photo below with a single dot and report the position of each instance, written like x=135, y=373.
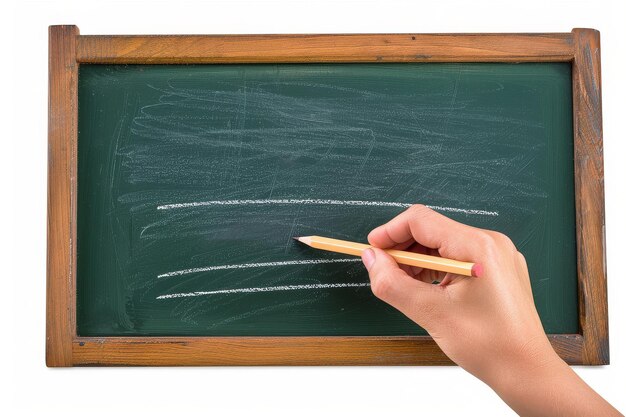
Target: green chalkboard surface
x=193, y=179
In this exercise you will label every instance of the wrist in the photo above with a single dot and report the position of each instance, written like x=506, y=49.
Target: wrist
x=534, y=366
x=546, y=385
x=532, y=380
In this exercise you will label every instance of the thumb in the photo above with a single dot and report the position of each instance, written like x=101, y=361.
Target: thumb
x=416, y=299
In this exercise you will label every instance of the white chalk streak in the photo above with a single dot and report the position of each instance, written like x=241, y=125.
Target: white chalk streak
x=266, y=289
x=320, y=202
x=465, y=211
x=258, y=265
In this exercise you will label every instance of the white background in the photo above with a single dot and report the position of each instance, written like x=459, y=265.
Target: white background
x=31, y=387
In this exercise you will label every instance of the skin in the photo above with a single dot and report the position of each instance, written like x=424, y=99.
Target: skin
x=488, y=325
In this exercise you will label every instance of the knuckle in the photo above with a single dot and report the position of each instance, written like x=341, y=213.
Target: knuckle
x=504, y=240
x=418, y=209
x=493, y=240
x=485, y=239
x=487, y=243
x=521, y=259
x=419, y=215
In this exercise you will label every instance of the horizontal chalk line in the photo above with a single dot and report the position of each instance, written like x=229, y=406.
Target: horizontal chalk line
x=266, y=289
x=320, y=202
x=258, y=265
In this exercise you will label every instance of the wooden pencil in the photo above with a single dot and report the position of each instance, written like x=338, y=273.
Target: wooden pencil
x=402, y=257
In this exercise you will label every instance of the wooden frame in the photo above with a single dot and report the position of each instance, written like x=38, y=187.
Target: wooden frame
x=68, y=49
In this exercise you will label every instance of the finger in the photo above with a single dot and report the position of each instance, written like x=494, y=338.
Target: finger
x=419, y=248
x=416, y=270
x=430, y=229
x=404, y=245
x=422, y=274
x=391, y=284
x=412, y=246
x=425, y=275
x=408, y=269
x=449, y=279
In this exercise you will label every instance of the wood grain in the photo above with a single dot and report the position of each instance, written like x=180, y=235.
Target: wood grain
x=245, y=351
x=67, y=49
x=325, y=48
x=62, y=139
x=589, y=186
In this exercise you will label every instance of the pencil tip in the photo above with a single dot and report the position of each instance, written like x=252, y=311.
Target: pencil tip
x=296, y=238
x=304, y=239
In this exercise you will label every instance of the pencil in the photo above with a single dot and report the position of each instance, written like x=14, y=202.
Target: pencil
x=402, y=257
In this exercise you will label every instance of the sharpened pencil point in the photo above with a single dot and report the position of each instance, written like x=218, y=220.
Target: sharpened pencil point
x=304, y=239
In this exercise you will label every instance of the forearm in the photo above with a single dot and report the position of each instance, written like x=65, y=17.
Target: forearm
x=487, y=325
x=551, y=390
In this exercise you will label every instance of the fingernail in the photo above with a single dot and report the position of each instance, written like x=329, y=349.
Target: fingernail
x=369, y=257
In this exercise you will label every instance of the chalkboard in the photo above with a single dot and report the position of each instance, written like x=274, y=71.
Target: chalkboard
x=192, y=179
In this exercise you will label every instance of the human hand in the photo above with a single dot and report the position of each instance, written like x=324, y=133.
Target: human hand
x=488, y=324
